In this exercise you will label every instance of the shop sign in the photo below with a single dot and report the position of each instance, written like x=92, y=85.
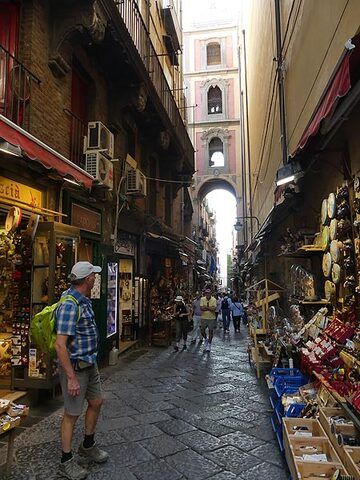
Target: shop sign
x=85, y=219
x=18, y=193
x=125, y=244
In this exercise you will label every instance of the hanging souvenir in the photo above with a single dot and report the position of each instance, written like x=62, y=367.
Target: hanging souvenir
x=331, y=205
x=13, y=220
x=333, y=229
x=336, y=273
x=335, y=250
x=326, y=264
x=325, y=238
x=330, y=290
x=324, y=212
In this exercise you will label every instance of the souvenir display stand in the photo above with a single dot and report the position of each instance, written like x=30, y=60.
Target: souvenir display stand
x=263, y=294
x=316, y=405
x=54, y=253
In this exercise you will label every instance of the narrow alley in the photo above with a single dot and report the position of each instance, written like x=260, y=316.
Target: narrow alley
x=168, y=415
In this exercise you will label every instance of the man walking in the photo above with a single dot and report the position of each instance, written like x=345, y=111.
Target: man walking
x=196, y=333
x=208, y=318
x=225, y=311
x=76, y=347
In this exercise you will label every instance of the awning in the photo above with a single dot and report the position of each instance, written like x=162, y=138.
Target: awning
x=38, y=151
x=338, y=88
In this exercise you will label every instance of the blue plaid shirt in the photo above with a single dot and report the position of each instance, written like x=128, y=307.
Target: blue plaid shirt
x=83, y=333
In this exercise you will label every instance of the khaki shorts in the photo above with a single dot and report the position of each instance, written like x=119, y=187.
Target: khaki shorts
x=90, y=388
x=208, y=323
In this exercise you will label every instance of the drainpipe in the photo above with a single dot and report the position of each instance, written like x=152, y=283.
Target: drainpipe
x=242, y=151
x=248, y=139
x=280, y=76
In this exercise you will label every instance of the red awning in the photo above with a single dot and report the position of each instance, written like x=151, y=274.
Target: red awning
x=339, y=87
x=42, y=153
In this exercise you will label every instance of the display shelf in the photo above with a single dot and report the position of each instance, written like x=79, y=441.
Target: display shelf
x=314, y=302
x=349, y=360
x=303, y=252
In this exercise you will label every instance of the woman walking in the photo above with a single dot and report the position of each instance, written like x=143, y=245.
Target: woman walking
x=181, y=315
x=237, y=311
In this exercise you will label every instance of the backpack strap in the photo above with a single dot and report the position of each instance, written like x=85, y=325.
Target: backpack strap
x=72, y=299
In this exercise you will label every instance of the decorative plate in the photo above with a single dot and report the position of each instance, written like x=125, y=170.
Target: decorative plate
x=325, y=238
x=333, y=229
x=336, y=273
x=13, y=219
x=326, y=264
x=330, y=290
x=335, y=251
x=324, y=212
x=331, y=205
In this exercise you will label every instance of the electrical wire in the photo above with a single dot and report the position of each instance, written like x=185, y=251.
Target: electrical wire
x=293, y=28
x=288, y=24
x=181, y=182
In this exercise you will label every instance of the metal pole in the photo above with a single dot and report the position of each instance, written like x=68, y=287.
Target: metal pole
x=242, y=148
x=248, y=134
x=280, y=77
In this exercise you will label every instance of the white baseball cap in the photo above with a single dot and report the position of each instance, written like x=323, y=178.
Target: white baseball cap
x=82, y=270
x=179, y=298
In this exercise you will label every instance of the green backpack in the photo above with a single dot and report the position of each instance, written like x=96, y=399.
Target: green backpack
x=42, y=328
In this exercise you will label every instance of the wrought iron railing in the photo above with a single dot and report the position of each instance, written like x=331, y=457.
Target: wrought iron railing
x=15, y=89
x=132, y=18
x=77, y=133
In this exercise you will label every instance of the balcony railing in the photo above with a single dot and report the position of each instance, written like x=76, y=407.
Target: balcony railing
x=132, y=18
x=77, y=133
x=15, y=89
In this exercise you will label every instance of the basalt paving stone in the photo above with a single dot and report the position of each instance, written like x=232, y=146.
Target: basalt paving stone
x=41, y=458
x=192, y=465
x=184, y=415
x=233, y=459
x=116, y=410
x=224, y=476
x=115, y=423
x=175, y=427
x=201, y=441
x=236, y=423
x=264, y=471
x=125, y=455
x=113, y=437
x=153, y=417
x=211, y=426
x=242, y=441
x=268, y=452
x=102, y=473
x=156, y=470
x=140, y=432
x=163, y=445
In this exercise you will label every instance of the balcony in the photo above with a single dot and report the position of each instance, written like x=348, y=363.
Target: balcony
x=77, y=133
x=130, y=27
x=15, y=89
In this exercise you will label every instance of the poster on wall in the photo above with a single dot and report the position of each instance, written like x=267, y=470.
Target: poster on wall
x=112, y=300
x=37, y=364
x=126, y=291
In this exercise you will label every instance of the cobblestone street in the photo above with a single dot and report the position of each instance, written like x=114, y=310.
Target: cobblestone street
x=168, y=415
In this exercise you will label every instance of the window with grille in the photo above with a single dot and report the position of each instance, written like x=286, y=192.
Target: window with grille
x=214, y=100
x=216, y=153
x=213, y=53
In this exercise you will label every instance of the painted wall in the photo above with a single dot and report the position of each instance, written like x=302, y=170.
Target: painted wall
x=316, y=34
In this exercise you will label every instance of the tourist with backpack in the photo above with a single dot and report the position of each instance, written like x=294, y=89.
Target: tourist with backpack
x=225, y=311
x=237, y=311
x=77, y=347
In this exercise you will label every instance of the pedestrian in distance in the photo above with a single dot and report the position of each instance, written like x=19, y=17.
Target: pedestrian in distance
x=237, y=312
x=208, y=318
x=196, y=332
x=77, y=347
x=226, y=312
x=218, y=310
x=181, y=314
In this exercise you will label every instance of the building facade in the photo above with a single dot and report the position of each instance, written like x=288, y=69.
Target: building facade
x=95, y=163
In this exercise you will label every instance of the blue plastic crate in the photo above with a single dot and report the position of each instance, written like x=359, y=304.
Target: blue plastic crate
x=295, y=409
x=281, y=372
x=295, y=382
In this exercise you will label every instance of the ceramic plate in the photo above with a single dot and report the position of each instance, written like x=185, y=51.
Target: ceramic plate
x=325, y=238
x=324, y=212
x=331, y=204
x=333, y=229
x=336, y=273
x=330, y=290
x=326, y=264
x=335, y=251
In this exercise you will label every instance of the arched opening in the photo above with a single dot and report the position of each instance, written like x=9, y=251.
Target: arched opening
x=214, y=99
x=216, y=153
x=213, y=53
x=220, y=197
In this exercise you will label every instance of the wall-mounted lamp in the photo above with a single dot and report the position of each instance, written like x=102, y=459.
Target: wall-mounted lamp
x=289, y=173
x=10, y=149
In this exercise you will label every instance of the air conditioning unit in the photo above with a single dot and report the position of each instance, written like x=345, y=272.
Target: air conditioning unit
x=101, y=168
x=135, y=182
x=100, y=138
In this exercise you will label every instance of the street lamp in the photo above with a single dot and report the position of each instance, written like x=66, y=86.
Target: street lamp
x=238, y=225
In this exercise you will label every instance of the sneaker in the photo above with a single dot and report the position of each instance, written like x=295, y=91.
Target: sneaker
x=95, y=454
x=72, y=470
x=208, y=347
x=193, y=341
x=184, y=347
x=176, y=348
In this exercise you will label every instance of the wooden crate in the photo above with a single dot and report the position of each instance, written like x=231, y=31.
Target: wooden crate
x=311, y=425
x=352, y=460
x=317, y=471
x=325, y=413
x=313, y=445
